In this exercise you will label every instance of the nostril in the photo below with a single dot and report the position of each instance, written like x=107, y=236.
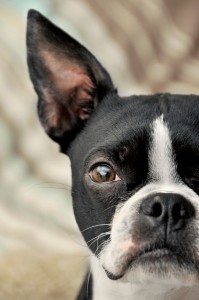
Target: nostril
x=153, y=209
x=156, y=210
x=178, y=212
x=182, y=211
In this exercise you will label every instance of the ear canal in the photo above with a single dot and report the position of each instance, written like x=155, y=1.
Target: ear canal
x=68, y=79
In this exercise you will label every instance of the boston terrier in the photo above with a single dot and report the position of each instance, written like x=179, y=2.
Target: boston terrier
x=135, y=171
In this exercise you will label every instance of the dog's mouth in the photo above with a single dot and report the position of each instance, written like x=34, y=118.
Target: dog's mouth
x=153, y=258
x=154, y=253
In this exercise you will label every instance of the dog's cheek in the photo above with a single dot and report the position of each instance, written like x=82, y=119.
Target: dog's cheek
x=93, y=212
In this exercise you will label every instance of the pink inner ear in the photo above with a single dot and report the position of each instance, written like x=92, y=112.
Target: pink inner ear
x=71, y=81
x=68, y=92
x=56, y=116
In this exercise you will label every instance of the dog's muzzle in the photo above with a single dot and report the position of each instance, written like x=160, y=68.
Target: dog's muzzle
x=161, y=236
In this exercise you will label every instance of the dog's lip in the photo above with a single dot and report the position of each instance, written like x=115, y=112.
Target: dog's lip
x=151, y=253
x=156, y=252
x=113, y=276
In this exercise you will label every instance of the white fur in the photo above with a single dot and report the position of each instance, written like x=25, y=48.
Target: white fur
x=162, y=164
x=107, y=289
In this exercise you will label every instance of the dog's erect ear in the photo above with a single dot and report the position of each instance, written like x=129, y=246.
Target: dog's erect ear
x=68, y=79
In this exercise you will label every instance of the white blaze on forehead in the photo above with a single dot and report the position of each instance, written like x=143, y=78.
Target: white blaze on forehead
x=162, y=166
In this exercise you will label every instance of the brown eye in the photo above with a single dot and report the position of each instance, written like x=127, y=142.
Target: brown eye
x=103, y=173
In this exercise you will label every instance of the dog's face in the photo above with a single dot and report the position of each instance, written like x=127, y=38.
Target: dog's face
x=135, y=161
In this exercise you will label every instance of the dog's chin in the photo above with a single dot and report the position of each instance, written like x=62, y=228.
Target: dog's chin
x=161, y=266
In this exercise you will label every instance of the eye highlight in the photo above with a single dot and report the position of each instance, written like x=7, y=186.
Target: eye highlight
x=103, y=173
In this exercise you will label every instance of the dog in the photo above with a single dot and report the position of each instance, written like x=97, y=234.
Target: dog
x=135, y=170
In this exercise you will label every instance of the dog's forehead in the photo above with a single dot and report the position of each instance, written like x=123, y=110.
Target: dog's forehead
x=130, y=120
x=176, y=109
x=139, y=111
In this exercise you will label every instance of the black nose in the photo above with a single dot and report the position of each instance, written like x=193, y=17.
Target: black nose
x=167, y=208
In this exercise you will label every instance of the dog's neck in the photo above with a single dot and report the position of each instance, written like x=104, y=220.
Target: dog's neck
x=107, y=289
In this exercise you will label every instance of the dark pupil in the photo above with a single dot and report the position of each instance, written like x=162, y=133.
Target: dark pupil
x=103, y=172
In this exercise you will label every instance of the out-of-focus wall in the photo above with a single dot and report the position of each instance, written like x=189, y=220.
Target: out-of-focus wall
x=147, y=46
x=35, y=178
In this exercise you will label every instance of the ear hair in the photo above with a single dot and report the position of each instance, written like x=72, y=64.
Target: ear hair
x=68, y=79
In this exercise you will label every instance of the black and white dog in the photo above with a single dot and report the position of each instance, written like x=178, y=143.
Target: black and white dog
x=135, y=170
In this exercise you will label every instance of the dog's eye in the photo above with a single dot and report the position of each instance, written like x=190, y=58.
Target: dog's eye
x=103, y=173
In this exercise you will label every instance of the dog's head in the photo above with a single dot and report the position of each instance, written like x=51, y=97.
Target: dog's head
x=135, y=160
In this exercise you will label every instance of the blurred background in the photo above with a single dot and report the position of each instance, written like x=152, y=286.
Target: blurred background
x=148, y=47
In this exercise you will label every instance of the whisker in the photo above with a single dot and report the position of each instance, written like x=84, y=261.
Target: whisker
x=100, y=235
x=110, y=207
x=87, y=287
x=95, y=226
x=95, y=239
x=103, y=244
x=53, y=185
x=54, y=188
